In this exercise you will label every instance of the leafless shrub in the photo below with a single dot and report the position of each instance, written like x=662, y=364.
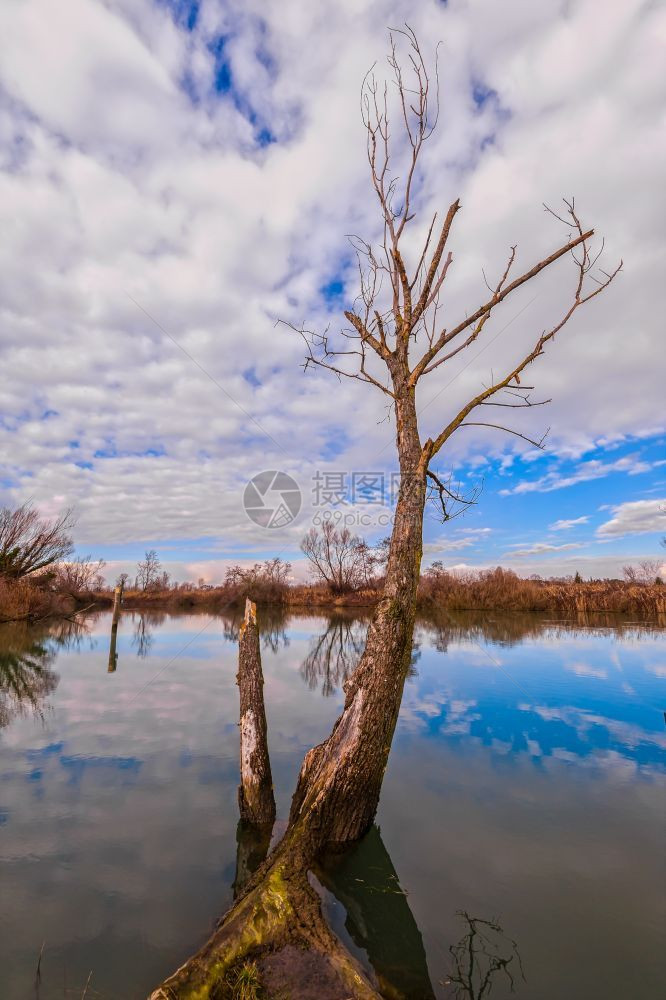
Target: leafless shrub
x=341, y=560
x=648, y=571
x=79, y=576
x=264, y=582
x=30, y=542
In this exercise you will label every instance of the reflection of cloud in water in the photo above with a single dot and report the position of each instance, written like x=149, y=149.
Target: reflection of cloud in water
x=537, y=731
x=586, y=670
x=631, y=736
x=556, y=668
x=127, y=795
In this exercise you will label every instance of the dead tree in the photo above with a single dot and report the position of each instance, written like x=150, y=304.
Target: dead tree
x=396, y=337
x=255, y=792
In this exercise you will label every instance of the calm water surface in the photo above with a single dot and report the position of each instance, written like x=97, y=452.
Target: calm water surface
x=520, y=835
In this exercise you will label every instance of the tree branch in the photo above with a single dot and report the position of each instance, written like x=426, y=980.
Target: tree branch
x=509, y=430
x=448, y=496
x=483, y=311
x=433, y=446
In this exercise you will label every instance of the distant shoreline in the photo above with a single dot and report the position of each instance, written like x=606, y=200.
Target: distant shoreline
x=493, y=591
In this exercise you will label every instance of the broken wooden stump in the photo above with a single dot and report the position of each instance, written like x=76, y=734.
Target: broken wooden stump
x=117, y=602
x=255, y=793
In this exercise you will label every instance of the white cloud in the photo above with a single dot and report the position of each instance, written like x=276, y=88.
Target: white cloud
x=123, y=172
x=564, y=525
x=632, y=465
x=541, y=547
x=448, y=545
x=587, y=670
x=635, y=518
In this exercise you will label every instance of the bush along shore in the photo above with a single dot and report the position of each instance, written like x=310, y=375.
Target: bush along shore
x=34, y=599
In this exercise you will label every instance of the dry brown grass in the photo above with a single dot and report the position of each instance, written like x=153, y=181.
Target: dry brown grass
x=23, y=600
x=490, y=590
x=503, y=590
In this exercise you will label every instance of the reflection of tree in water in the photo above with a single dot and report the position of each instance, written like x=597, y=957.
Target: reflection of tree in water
x=143, y=624
x=143, y=638
x=444, y=627
x=380, y=922
x=252, y=843
x=334, y=654
x=483, y=956
x=379, y=919
x=26, y=677
x=272, y=621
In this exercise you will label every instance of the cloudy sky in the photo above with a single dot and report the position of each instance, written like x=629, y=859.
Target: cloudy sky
x=176, y=177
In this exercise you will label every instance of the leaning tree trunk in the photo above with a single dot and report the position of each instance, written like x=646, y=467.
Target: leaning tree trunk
x=340, y=780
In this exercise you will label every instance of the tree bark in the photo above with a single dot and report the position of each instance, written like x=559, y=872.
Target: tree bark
x=255, y=792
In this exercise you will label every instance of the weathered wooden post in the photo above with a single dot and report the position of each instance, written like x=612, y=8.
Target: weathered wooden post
x=117, y=601
x=255, y=793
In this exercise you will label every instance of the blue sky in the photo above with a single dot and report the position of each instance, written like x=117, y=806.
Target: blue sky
x=177, y=177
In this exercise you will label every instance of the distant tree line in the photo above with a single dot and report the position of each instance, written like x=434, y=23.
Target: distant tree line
x=38, y=571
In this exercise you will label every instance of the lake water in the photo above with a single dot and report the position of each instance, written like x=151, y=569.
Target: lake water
x=520, y=832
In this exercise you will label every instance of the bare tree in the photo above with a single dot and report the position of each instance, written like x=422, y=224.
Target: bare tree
x=341, y=560
x=30, y=542
x=148, y=572
x=396, y=337
x=79, y=575
x=647, y=571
